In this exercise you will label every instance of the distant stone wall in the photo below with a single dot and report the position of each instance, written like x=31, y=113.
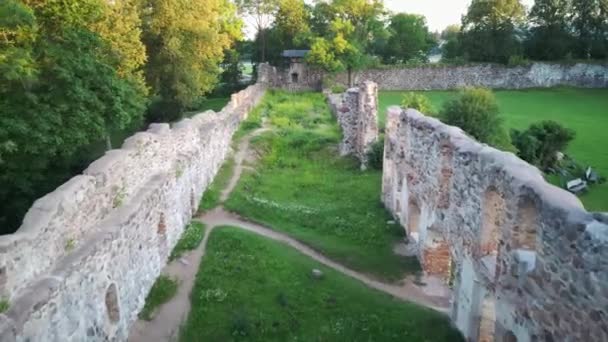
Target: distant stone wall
x=524, y=259
x=535, y=75
x=80, y=266
x=357, y=114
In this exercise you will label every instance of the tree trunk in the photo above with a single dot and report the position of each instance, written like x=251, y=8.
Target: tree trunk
x=108, y=142
x=350, y=77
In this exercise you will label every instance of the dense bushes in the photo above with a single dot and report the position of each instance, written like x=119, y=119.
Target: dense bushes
x=540, y=143
x=476, y=112
x=418, y=102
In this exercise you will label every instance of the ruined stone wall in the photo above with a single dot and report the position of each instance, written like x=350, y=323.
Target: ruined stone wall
x=357, y=114
x=526, y=261
x=80, y=266
x=435, y=77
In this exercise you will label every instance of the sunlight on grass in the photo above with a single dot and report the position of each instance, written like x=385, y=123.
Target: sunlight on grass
x=303, y=188
x=254, y=289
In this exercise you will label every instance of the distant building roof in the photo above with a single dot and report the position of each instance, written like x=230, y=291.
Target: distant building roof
x=295, y=53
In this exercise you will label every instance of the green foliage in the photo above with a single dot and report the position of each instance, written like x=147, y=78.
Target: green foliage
x=162, y=291
x=418, y=102
x=477, y=113
x=540, y=143
x=232, y=71
x=61, y=68
x=185, y=41
x=550, y=37
x=191, y=238
x=375, y=156
x=303, y=188
x=276, y=299
x=410, y=39
x=4, y=305
x=211, y=197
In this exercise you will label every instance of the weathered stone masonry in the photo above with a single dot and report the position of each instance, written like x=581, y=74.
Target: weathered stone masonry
x=357, y=114
x=82, y=263
x=526, y=261
x=535, y=75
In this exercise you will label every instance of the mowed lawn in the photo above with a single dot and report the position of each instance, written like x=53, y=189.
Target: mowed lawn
x=249, y=288
x=583, y=110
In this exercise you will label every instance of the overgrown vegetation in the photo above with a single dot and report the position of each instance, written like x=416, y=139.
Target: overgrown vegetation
x=418, y=102
x=540, y=143
x=191, y=238
x=211, y=197
x=302, y=187
x=476, y=112
x=162, y=291
x=4, y=305
x=277, y=299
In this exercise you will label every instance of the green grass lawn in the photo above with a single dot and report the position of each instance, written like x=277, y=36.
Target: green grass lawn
x=249, y=288
x=303, y=188
x=584, y=110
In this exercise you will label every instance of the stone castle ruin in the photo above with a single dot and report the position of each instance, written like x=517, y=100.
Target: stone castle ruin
x=87, y=254
x=524, y=260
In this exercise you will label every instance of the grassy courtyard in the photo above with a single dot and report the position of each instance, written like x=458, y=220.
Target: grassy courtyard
x=583, y=110
x=249, y=288
x=301, y=186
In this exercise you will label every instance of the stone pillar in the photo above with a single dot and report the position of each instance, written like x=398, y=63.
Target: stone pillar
x=367, y=119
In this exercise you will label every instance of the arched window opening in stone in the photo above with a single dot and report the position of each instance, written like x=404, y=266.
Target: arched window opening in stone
x=294, y=77
x=112, y=304
x=162, y=226
x=413, y=218
x=524, y=231
x=436, y=255
x=487, y=321
x=493, y=218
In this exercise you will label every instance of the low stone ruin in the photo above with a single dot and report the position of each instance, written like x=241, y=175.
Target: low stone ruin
x=524, y=260
x=357, y=113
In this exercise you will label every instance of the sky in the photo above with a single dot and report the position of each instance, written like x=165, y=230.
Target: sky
x=438, y=13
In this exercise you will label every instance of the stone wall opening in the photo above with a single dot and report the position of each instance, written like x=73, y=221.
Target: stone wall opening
x=112, y=304
x=445, y=174
x=413, y=218
x=509, y=336
x=436, y=255
x=524, y=231
x=162, y=226
x=294, y=77
x=493, y=217
x=487, y=320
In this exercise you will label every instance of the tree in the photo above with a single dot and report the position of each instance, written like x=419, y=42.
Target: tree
x=418, y=102
x=489, y=30
x=590, y=24
x=477, y=113
x=550, y=36
x=185, y=41
x=63, y=92
x=451, y=49
x=293, y=22
x=262, y=13
x=540, y=143
x=410, y=39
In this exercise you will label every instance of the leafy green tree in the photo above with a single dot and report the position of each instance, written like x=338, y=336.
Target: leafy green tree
x=476, y=112
x=293, y=22
x=185, y=41
x=410, y=39
x=63, y=93
x=489, y=30
x=262, y=13
x=418, y=102
x=550, y=36
x=590, y=24
x=540, y=143
x=451, y=49
x=232, y=72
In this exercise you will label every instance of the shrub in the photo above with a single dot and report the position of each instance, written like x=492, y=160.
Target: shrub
x=338, y=89
x=418, y=102
x=476, y=112
x=540, y=142
x=375, y=156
